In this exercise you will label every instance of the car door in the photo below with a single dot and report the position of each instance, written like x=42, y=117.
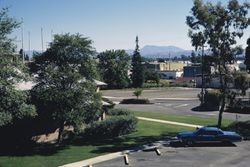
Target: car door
x=207, y=136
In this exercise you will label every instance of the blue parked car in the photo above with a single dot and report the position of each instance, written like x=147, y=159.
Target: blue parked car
x=207, y=135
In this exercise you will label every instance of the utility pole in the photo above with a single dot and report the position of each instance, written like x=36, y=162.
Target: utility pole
x=202, y=75
x=51, y=35
x=42, y=38
x=169, y=61
x=22, y=40
x=29, y=40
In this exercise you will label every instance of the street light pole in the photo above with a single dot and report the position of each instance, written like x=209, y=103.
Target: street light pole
x=22, y=41
x=202, y=74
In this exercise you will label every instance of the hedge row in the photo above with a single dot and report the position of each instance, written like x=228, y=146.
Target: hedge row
x=112, y=127
x=135, y=101
x=243, y=128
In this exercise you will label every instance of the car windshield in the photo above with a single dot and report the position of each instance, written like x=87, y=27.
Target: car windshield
x=199, y=131
x=209, y=132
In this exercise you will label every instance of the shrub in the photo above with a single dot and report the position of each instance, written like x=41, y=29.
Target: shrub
x=212, y=99
x=112, y=127
x=135, y=101
x=239, y=106
x=137, y=93
x=243, y=128
x=117, y=112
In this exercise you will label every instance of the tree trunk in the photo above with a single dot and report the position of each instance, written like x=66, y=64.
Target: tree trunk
x=221, y=110
x=61, y=129
x=223, y=100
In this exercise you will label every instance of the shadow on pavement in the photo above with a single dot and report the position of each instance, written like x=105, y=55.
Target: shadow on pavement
x=204, y=109
x=180, y=144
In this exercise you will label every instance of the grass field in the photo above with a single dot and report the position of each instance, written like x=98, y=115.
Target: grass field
x=147, y=132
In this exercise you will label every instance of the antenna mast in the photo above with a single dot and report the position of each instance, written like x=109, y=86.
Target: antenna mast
x=42, y=38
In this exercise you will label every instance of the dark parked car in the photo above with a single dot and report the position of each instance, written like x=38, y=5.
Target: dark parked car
x=207, y=135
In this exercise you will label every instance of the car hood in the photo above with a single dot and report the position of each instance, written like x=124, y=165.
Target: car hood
x=185, y=134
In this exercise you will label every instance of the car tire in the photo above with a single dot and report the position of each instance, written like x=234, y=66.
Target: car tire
x=189, y=143
x=226, y=142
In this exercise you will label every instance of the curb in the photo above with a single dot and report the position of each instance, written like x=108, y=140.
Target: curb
x=95, y=160
x=169, y=122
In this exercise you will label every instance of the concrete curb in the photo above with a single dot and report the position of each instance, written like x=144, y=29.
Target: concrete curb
x=107, y=157
x=169, y=122
x=163, y=98
x=181, y=99
x=95, y=160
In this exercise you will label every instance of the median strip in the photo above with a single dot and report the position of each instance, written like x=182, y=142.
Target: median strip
x=169, y=122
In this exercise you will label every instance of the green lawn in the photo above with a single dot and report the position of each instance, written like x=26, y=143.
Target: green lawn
x=146, y=133
x=182, y=118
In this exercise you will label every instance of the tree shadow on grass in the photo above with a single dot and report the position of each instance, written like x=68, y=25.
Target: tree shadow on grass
x=102, y=145
x=31, y=149
x=123, y=143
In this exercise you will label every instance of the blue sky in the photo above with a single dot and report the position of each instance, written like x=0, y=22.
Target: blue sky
x=111, y=24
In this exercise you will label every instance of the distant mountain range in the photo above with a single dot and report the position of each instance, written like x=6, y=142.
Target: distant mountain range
x=151, y=51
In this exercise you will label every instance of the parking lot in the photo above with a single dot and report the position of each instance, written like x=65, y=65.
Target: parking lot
x=209, y=155
x=180, y=101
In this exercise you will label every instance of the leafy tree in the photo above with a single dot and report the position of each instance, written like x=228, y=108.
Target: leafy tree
x=193, y=57
x=241, y=82
x=114, y=66
x=137, y=75
x=152, y=76
x=13, y=103
x=66, y=89
x=137, y=93
x=218, y=27
x=247, y=57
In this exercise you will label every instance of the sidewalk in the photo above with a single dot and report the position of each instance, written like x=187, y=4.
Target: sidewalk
x=94, y=160
x=169, y=122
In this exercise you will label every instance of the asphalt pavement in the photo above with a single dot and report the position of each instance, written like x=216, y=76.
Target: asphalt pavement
x=180, y=101
x=200, y=155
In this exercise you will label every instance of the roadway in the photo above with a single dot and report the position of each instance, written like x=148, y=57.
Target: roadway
x=178, y=101
x=208, y=155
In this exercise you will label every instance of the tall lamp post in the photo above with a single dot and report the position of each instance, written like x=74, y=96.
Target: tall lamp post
x=202, y=74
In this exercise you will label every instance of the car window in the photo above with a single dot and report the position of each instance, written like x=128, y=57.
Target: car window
x=211, y=132
x=199, y=131
x=207, y=132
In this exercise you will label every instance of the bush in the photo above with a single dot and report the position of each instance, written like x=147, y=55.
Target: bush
x=112, y=127
x=137, y=93
x=118, y=112
x=135, y=101
x=239, y=106
x=212, y=99
x=243, y=128
x=162, y=83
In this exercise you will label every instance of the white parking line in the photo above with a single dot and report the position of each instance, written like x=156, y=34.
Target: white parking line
x=168, y=105
x=182, y=105
x=211, y=114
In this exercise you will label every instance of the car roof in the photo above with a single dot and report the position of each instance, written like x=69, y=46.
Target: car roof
x=210, y=128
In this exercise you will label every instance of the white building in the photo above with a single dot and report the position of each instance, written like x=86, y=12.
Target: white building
x=170, y=74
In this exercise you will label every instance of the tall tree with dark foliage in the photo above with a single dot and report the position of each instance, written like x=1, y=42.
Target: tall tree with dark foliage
x=137, y=75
